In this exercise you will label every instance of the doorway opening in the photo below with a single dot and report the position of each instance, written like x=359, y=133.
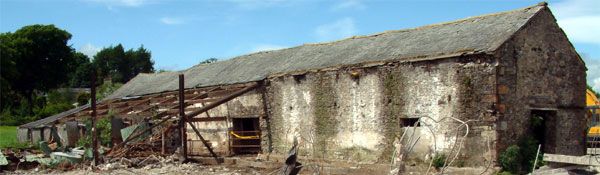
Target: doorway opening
x=244, y=136
x=544, y=129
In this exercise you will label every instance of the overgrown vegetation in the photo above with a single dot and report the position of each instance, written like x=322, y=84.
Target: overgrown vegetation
x=324, y=121
x=106, y=89
x=37, y=60
x=520, y=158
x=511, y=160
x=54, y=102
x=439, y=160
x=392, y=90
x=83, y=98
x=103, y=128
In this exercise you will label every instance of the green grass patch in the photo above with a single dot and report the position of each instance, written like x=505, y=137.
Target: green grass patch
x=8, y=136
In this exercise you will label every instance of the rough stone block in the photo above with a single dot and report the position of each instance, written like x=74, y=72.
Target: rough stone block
x=490, y=98
x=502, y=89
x=501, y=108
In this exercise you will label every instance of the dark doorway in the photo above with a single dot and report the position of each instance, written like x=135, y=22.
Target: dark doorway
x=544, y=129
x=245, y=136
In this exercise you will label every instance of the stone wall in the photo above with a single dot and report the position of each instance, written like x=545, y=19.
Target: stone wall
x=355, y=114
x=216, y=132
x=540, y=70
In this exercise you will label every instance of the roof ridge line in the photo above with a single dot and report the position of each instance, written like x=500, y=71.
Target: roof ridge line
x=543, y=3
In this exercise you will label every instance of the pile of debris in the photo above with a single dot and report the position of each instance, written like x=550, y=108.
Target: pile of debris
x=144, y=147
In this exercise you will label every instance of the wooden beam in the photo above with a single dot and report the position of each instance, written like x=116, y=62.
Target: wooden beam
x=207, y=119
x=159, y=115
x=182, y=128
x=224, y=100
x=201, y=138
x=93, y=105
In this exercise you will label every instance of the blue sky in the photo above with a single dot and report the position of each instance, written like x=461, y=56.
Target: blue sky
x=181, y=33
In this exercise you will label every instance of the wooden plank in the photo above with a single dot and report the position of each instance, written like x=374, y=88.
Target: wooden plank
x=224, y=100
x=205, y=119
x=576, y=160
x=245, y=146
x=207, y=100
x=245, y=139
x=182, y=127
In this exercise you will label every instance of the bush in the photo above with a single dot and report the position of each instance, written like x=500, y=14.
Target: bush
x=439, y=160
x=511, y=160
x=459, y=163
x=52, y=109
x=60, y=96
x=103, y=128
x=106, y=89
x=83, y=98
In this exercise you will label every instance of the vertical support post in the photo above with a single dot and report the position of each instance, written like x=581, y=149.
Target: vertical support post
x=182, y=115
x=162, y=145
x=93, y=118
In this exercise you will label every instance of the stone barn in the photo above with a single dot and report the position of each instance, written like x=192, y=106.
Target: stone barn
x=465, y=88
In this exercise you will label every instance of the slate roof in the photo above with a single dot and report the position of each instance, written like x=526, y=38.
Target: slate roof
x=475, y=34
x=47, y=120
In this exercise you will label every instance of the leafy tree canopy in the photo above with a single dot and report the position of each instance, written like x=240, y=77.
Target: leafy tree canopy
x=210, y=60
x=121, y=65
x=35, y=58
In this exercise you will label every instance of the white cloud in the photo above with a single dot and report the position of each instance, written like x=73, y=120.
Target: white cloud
x=168, y=68
x=90, y=50
x=350, y=4
x=171, y=20
x=265, y=47
x=130, y=3
x=580, y=19
x=593, y=72
x=259, y=4
x=337, y=30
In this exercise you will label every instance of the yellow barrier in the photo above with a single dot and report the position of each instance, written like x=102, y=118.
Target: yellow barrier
x=243, y=137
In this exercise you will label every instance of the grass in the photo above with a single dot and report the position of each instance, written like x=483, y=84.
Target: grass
x=8, y=138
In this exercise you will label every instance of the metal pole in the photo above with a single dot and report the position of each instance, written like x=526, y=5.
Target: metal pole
x=182, y=126
x=93, y=117
x=536, y=158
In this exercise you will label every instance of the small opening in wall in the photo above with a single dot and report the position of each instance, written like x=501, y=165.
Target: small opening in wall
x=299, y=78
x=409, y=122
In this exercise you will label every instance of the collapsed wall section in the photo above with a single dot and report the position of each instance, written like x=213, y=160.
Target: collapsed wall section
x=239, y=115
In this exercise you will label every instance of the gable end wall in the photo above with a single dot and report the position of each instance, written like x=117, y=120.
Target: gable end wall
x=540, y=70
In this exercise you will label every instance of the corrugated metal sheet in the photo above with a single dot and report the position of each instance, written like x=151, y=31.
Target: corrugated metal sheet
x=47, y=120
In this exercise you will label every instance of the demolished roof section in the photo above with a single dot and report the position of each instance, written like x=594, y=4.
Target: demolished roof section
x=476, y=34
x=45, y=121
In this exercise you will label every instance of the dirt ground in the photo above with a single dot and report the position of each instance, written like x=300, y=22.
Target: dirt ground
x=178, y=169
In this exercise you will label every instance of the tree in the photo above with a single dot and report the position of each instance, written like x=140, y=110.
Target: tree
x=210, y=60
x=122, y=66
x=80, y=74
x=35, y=58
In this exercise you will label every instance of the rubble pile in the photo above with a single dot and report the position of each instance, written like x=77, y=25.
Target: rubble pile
x=147, y=146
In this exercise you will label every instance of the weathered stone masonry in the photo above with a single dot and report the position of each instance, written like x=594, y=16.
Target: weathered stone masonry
x=539, y=69
x=357, y=117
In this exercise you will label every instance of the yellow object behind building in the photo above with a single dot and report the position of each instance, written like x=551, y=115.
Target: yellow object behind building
x=592, y=100
x=243, y=137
